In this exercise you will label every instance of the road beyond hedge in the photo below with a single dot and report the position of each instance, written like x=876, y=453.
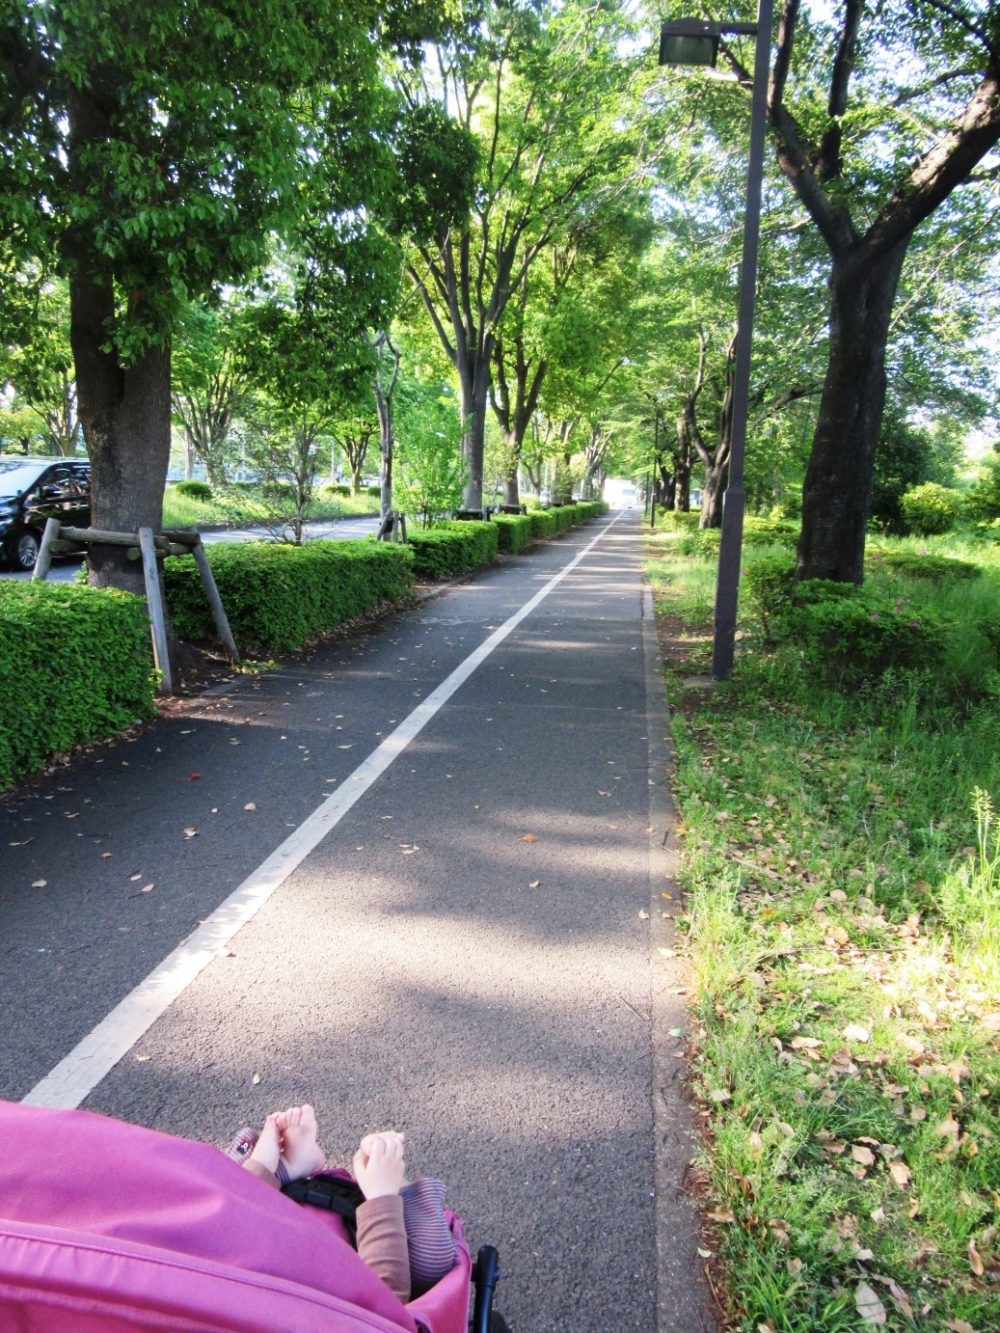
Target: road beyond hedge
x=415, y=877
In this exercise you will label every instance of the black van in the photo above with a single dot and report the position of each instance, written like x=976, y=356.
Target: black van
x=33, y=490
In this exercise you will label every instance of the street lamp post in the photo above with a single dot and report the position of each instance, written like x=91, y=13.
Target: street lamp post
x=696, y=42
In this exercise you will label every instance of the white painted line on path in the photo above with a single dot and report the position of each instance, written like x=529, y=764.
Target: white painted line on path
x=76, y=1076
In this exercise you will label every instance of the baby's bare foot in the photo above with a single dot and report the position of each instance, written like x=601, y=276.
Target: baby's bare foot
x=300, y=1151
x=267, y=1150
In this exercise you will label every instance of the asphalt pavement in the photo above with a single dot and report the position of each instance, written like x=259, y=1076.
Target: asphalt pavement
x=415, y=877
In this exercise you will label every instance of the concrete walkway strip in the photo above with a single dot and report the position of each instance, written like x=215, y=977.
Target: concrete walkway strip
x=75, y=1076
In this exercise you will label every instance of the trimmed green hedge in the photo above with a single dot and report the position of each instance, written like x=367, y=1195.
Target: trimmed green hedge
x=513, y=532
x=278, y=598
x=75, y=664
x=543, y=524
x=197, y=490
x=453, y=548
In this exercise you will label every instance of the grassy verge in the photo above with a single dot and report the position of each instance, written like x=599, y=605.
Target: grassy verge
x=239, y=508
x=841, y=860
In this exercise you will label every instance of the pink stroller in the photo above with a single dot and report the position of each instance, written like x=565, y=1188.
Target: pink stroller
x=107, y=1227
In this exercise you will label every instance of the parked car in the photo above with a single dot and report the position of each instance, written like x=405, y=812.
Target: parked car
x=33, y=490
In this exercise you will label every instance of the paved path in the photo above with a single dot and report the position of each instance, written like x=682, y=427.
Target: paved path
x=442, y=837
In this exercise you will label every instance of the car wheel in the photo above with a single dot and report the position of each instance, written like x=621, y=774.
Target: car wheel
x=26, y=551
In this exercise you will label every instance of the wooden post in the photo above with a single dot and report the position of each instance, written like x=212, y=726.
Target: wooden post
x=402, y=527
x=154, y=603
x=44, y=561
x=215, y=602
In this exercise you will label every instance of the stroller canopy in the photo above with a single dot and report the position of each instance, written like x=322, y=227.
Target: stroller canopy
x=107, y=1226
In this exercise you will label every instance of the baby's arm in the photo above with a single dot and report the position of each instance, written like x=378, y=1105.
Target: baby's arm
x=381, y=1172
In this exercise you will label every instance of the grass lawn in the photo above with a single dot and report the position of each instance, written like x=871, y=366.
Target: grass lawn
x=840, y=853
x=241, y=507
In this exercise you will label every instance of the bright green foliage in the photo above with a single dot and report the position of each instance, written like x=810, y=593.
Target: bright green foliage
x=337, y=488
x=151, y=153
x=931, y=508
x=548, y=90
x=850, y=635
x=74, y=665
x=703, y=541
x=543, y=524
x=513, y=532
x=198, y=490
x=844, y=946
x=453, y=548
x=984, y=498
x=429, y=469
x=768, y=532
x=768, y=583
x=280, y=597
x=913, y=565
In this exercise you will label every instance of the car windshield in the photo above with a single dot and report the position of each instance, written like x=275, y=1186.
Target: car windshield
x=16, y=475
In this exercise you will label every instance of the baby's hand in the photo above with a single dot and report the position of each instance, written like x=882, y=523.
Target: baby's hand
x=379, y=1166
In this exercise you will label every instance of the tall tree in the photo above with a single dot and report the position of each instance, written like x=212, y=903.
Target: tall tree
x=880, y=114
x=542, y=88
x=146, y=153
x=208, y=381
x=37, y=359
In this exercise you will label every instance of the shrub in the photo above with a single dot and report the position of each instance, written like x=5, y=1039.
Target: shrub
x=453, y=548
x=768, y=532
x=679, y=518
x=75, y=664
x=702, y=541
x=543, y=524
x=198, y=490
x=336, y=488
x=513, y=532
x=931, y=508
x=566, y=516
x=282, y=491
x=789, y=508
x=852, y=635
x=920, y=565
x=373, y=490
x=984, y=499
x=279, y=597
x=769, y=584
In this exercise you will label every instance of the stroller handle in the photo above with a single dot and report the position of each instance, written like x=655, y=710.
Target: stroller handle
x=486, y=1274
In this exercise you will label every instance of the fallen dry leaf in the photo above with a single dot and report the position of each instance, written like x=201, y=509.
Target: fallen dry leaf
x=855, y=1032
x=958, y=1326
x=868, y=1304
x=863, y=1155
x=255, y=1080
x=250, y=805
x=534, y=884
x=900, y=1173
x=190, y=833
x=975, y=1259
x=529, y=837
x=39, y=883
x=193, y=777
x=900, y=1297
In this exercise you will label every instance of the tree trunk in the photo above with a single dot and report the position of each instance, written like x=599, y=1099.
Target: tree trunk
x=125, y=415
x=711, y=496
x=386, y=440
x=474, y=377
x=511, y=483
x=837, y=491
